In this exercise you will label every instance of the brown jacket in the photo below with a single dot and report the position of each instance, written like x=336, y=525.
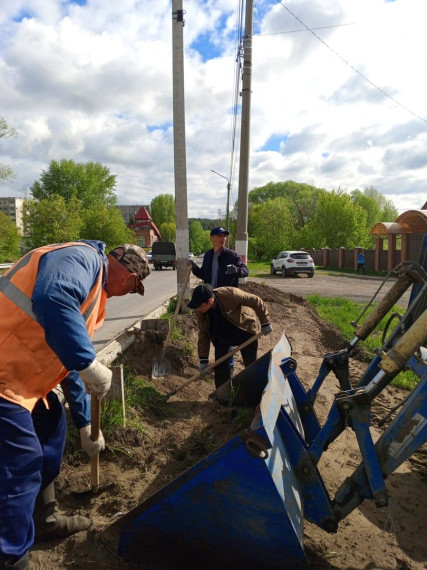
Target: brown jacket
x=238, y=307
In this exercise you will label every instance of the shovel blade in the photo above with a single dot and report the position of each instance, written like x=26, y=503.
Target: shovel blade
x=161, y=368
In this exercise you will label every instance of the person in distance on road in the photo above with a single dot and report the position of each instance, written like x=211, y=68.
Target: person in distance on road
x=51, y=302
x=227, y=316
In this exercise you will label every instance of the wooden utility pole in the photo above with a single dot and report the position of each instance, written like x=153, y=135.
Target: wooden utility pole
x=180, y=161
x=242, y=212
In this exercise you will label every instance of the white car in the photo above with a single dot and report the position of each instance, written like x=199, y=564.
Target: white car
x=292, y=262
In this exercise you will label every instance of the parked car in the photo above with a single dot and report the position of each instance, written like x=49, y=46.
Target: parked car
x=191, y=255
x=149, y=255
x=292, y=263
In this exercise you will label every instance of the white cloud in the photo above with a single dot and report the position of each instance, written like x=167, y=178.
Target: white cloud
x=94, y=82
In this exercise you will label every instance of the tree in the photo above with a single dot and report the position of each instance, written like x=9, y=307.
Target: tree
x=91, y=183
x=52, y=220
x=162, y=209
x=301, y=199
x=10, y=238
x=270, y=224
x=199, y=238
x=337, y=222
x=168, y=231
x=6, y=172
x=106, y=224
x=82, y=202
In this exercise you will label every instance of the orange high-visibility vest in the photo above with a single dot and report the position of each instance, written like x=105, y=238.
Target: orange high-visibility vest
x=29, y=368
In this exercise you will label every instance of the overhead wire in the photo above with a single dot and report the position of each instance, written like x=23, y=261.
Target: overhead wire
x=352, y=66
x=236, y=93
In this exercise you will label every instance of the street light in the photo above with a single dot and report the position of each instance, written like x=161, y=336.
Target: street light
x=227, y=215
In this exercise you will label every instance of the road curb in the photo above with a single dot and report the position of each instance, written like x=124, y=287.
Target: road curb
x=108, y=353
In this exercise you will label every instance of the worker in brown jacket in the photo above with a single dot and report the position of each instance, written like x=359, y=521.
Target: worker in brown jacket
x=227, y=316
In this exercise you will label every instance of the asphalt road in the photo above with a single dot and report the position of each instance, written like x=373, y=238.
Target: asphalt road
x=357, y=288
x=160, y=286
x=123, y=312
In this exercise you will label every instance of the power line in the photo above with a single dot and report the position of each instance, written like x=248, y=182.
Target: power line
x=354, y=68
x=304, y=30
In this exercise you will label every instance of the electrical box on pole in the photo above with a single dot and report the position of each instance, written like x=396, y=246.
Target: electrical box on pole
x=180, y=161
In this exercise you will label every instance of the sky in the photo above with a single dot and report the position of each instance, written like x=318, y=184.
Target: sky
x=338, y=98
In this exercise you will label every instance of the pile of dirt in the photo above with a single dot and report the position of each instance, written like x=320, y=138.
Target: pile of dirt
x=164, y=439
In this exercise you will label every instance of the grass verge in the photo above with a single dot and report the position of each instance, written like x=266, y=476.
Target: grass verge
x=341, y=312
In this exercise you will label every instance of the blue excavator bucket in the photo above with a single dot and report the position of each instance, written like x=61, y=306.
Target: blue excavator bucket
x=241, y=506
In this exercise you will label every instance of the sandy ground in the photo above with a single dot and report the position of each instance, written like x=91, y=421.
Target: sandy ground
x=173, y=437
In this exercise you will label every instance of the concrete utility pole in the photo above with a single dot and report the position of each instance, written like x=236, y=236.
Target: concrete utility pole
x=242, y=212
x=180, y=161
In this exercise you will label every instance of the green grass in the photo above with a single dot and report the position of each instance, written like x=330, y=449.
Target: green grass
x=341, y=312
x=257, y=268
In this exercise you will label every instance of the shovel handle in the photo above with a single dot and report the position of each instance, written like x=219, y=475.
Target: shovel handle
x=95, y=423
x=178, y=305
x=214, y=364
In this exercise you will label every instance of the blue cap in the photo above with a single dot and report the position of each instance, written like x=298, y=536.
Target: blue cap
x=218, y=231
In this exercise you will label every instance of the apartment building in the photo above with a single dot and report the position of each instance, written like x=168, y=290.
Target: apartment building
x=13, y=207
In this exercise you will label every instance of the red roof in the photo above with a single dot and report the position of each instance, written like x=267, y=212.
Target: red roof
x=143, y=218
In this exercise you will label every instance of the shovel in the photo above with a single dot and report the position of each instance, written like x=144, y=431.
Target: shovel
x=95, y=422
x=213, y=365
x=161, y=365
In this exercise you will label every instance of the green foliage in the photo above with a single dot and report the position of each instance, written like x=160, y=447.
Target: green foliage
x=6, y=172
x=106, y=224
x=91, y=183
x=162, y=209
x=337, y=222
x=271, y=225
x=10, y=238
x=74, y=201
x=341, y=312
x=300, y=199
x=52, y=220
x=167, y=231
x=377, y=208
x=207, y=223
x=198, y=238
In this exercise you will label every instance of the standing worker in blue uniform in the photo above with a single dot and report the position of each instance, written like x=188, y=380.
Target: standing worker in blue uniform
x=51, y=302
x=221, y=267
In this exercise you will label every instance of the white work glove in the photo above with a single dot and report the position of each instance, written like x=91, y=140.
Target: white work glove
x=97, y=378
x=91, y=447
x=266, y=328
x=231, y=270
x=203, y=365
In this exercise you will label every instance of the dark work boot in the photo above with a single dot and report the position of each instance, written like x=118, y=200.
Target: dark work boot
x=49, y=523
x=22, y=564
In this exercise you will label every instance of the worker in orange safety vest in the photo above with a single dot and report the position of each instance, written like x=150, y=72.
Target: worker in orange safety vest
x=51, y=302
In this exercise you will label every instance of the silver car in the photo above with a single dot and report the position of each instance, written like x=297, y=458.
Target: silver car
x=292, y=262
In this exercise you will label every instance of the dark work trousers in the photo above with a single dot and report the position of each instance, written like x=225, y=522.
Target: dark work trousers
x=249, y=354
x=31, y=449
x=361, y=267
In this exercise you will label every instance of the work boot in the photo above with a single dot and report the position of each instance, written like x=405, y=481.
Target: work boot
x=22, y=564
x=49, y=523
